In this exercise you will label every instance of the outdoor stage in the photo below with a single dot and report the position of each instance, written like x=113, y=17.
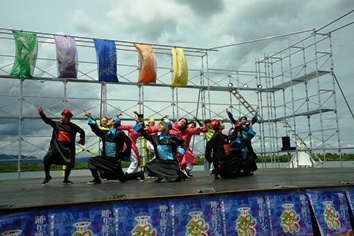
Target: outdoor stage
x=273, y=201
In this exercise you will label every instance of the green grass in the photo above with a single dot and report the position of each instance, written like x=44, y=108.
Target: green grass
x=5, y=168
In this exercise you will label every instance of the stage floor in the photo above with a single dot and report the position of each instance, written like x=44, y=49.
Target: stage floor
x=25, y=193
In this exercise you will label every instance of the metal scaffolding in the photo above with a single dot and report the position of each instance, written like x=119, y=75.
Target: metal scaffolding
x=294, y=89
x=298, y=97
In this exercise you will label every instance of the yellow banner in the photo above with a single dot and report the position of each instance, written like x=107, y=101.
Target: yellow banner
x=180, y=68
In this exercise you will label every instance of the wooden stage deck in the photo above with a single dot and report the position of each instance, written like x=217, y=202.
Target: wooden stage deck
x=28, y=193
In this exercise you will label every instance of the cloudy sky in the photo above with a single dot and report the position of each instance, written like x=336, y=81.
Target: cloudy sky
x=199, y=24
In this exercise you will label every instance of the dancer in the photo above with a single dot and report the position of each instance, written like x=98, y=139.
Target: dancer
x=177, y=128
x=62, y=145
x=247, y=134
x=207, y=135
x=148, y=148
x=165, y=165
x=101, y=126
x=109, y=163
x=134, y=157
x=219, y=146
x=187, y=160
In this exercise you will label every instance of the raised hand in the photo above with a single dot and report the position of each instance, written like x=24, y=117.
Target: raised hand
x=87, y=114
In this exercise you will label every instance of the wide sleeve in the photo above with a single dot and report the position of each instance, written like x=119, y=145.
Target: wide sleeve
x=81, y=132
x=192, y=131
x=97, y=131
x=254, y=119
x=140, y=129
x=182, y=143
x=199, y=123
x=125, y=127
x=231, y=117
x=128, y=144
x=47, y=120
x=152, y=129
x=209, y=147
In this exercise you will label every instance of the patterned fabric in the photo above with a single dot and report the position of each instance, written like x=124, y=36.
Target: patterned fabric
x=107, y=60
x=63, y=136
x=66, y=56
x=26, y=54
x=180, y=67
x=165, y=152
x=147, y=64
x=110, y=149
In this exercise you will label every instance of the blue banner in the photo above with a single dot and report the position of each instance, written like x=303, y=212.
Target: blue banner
x=107, y=60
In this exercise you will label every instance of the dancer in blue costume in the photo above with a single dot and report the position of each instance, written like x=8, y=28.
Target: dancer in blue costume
x=166, y=145
x=109, y=163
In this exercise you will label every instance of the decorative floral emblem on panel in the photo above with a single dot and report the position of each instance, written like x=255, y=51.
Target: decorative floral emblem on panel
x=196, y=226
x=143, y=227
x=290, y=219
x=82, y=229
x=245, y=223
x=331, y=215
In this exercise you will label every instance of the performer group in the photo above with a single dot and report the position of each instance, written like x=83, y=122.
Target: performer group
x=166, y=144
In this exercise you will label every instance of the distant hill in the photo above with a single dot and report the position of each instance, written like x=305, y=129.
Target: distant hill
x=12, y=159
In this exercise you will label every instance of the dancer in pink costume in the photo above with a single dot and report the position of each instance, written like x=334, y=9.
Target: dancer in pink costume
x=188, y=159
x=134, y=154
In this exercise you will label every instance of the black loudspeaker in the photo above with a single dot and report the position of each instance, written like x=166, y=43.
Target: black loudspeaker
x=286, y=143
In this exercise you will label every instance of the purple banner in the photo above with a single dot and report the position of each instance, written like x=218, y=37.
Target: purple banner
x=66, y=56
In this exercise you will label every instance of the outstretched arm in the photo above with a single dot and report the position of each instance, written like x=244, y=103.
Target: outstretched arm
x=94, y=127
x=231, y=117
x=198, y=121
x=140, y=129
x=45, y=118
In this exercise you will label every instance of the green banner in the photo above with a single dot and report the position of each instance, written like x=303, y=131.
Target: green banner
x=26, y=54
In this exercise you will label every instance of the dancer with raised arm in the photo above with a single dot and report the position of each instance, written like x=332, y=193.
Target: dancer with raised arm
x=166, y=145
x=109, y=163
x=62, y=145
x=247, y=134
x=187, y=160
x=216, y=146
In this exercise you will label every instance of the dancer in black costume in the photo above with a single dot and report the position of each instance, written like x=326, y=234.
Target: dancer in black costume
x=165, y=165
x=226, y=164
x=247, y=134
x=62, y=145
x=109, y=163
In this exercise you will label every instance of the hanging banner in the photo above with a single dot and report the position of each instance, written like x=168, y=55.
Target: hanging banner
x=180, y=68
x=66, y=56
x=107, y=60
x=147, y=64
x=26, y=54
x=331, y=212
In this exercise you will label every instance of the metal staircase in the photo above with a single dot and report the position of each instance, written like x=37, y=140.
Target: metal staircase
x=243, y=101
x=300, y=144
